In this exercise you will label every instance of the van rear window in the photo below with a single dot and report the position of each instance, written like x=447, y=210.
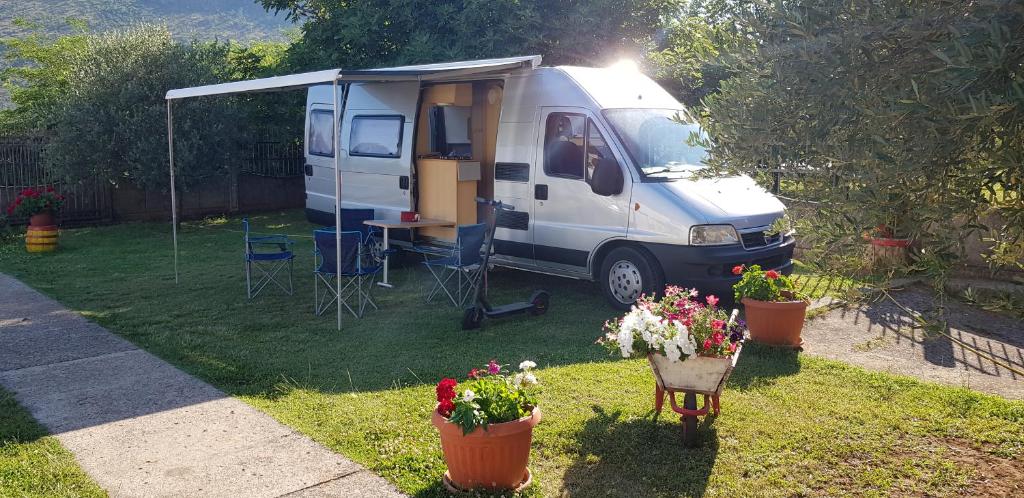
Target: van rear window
x=321, y=133
x=376, y=136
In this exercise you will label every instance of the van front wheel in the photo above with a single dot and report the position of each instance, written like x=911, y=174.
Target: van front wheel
x=627, y=274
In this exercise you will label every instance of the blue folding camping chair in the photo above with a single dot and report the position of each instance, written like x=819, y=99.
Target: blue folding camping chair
x=267, y=255
x=461, y=263
x=356, y=267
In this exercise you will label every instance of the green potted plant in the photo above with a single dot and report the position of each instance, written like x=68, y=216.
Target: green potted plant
x=775, y=311
x=39, y=206
x=486, y=426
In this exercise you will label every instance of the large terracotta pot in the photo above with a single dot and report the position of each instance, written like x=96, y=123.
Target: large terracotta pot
x=775, y=323
x=43, y=219
x=888, y=253
x=492, y=459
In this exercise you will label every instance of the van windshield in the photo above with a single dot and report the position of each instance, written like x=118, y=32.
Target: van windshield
x=658, y=143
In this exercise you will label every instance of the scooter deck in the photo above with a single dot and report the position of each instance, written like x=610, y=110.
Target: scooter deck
x=508, y=309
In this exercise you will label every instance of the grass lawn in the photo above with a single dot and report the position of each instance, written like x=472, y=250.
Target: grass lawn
x=34, y=464
x=790, y=424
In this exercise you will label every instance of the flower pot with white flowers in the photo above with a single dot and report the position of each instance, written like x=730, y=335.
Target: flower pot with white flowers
x=774, y=310
x=486, y=424
x=692, y=346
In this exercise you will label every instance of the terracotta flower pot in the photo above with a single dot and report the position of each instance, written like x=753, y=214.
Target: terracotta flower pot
x=888, y=253
x=775, y=323
x=492, y=459
x=43, y=219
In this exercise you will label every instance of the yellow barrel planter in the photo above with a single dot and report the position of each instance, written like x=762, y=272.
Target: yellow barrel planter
x=41, y=239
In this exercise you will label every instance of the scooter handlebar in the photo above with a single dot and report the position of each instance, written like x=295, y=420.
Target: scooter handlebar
x=496, y=204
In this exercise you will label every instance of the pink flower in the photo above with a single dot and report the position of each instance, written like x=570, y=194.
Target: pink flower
x=673, y=290
x=732, y=347
x=718, y=338
x=707, y=344
x=718, y=324
x=738, y=269
x=693, y=292
x=493, y=368
x=712, y=301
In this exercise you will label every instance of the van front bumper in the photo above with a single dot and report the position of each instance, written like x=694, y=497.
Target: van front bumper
x=709, y=268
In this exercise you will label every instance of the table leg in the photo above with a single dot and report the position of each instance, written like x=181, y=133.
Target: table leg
x=387, y=260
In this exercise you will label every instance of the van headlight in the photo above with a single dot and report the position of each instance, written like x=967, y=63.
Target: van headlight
x=713, y=235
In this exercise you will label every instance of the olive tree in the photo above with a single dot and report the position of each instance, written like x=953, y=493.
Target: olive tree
x=893, y=116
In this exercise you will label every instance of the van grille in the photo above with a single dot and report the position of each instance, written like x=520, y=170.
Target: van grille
x=753, y=240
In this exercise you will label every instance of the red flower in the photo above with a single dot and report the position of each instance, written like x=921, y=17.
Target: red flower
x=688, y=322
x=707, y=344
x=49, y=188
x=17, y=202
x=712, y=301
x=474, y=373
x=738, y=269
x=445, y=408
x=718, y=338
x=446, y=390
x=718, y=324
x=772, y=274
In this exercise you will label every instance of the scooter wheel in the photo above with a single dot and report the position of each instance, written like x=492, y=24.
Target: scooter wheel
x=541, y=302
x=472, y=318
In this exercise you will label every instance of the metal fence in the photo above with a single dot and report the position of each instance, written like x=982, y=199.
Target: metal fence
x=21, y=167
x=92, y=201
x=275, y=159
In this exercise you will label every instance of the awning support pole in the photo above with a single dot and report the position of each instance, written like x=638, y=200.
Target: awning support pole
x=337, y=191
x=174, y=199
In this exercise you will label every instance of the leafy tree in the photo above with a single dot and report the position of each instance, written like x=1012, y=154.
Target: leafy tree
x=905, y=115
x=366, y=33
x=100, y=98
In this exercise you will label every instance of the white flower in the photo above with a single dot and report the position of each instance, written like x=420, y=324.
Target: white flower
x=685, y=343
x=530, y=379
x=672, y=352
x=469, y=395
x=526, y=365
x=517, y=380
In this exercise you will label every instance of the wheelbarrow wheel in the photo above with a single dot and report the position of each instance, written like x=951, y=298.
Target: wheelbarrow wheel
x=690, y=421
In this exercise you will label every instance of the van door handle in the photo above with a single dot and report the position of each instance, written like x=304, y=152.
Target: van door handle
x=403, y=182
x=307, y=169
x=540, y=192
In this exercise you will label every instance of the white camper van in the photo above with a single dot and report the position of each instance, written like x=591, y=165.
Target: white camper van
x=597, y=169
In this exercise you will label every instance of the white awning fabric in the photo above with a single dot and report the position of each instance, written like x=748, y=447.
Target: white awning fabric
x=423, y=72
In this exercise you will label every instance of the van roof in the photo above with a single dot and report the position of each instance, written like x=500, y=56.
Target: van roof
x=618, y=87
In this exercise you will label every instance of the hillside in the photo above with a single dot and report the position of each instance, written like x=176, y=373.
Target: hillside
x=242, y=20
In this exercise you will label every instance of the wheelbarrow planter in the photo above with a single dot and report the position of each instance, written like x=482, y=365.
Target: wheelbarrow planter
x=704, y=375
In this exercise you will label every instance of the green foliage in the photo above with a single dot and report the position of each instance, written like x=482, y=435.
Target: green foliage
x=31, y=202
x=365, y=33
x=690, y=62
x=763, y=285
x=908, y=115
x=490, y=397
x=100, y=97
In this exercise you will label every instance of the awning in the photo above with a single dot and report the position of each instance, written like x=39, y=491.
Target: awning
x=423, y=72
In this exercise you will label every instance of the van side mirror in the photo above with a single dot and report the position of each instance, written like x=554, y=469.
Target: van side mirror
x=607, y=178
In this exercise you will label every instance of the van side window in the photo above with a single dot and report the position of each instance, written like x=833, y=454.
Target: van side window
x=321, y=133
x=376, y=136
x=564, y=145
x=598, y=149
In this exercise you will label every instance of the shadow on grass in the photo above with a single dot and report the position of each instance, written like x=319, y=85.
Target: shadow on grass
x=759, y=365
x=640, y=457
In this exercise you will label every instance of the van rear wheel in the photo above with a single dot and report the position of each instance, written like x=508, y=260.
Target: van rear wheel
x=626, y=274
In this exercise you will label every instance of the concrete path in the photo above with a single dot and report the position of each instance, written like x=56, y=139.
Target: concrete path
x=882, y=336
x=141, y=427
